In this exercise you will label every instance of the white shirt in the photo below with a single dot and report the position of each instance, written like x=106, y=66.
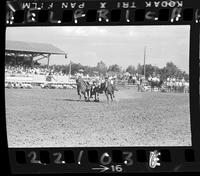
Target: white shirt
x=134, y=78
x=168, y=79
x=150, y=78
x=180, y=84
x=158, y=80
x=154, y=79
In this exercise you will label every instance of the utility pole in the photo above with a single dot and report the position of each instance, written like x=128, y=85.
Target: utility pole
x=70, y=68
x=145, y=61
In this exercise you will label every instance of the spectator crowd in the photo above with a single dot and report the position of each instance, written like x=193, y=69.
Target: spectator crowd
x=170, y=84
x=153, y=82
x=26, y=71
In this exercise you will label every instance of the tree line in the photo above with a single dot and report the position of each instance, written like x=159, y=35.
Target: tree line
x=170, y=69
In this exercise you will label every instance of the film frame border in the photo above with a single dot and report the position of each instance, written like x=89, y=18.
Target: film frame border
x=180, y=156
x=27, y=13
x=107, y=159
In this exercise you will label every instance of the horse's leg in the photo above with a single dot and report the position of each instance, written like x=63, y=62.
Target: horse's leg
x=96, y=96
x=91, y=93
x=88, y=94
x=107, y=97
x=85, y=96
x=113, y=94
x=111, y=97
x=79, y=93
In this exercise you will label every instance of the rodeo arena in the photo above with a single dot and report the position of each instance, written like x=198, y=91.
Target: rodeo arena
x=51, y=109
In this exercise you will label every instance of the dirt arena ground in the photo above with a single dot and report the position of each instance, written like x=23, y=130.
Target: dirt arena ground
x=54, y=118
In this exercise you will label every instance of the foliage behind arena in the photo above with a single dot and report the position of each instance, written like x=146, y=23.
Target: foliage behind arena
x=169, y=70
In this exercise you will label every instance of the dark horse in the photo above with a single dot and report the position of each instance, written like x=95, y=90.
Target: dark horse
x=108, y=88
x=154, y=84
x=96, y=89
x=83, y=88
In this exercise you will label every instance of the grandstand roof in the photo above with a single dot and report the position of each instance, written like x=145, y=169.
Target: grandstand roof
x=30, y=47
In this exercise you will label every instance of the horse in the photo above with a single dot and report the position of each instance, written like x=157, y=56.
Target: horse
x=83, y=88
x=157, y=84
x=95, y=91
x=108, y=88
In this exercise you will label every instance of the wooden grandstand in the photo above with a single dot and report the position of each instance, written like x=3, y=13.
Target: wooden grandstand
x=34, y=51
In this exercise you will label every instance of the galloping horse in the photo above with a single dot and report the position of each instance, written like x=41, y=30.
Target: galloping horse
x=83, y=88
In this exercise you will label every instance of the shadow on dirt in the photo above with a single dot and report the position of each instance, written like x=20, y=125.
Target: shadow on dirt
x=78, y=100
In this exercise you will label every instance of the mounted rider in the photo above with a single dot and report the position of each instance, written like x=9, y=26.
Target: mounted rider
x=78, y=83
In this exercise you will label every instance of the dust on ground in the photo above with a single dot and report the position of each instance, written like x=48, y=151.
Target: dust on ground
x=55, y=118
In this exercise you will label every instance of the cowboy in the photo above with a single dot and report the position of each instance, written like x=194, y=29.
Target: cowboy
x=107, y=81
x=150, y=78
x=168, y=79
x=138, y=84
x=176, y=85
x=93, y=88
x=180, y=85
x=108, y=89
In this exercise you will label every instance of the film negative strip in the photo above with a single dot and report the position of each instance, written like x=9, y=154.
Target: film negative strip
x=98, y=12
x=102, y=86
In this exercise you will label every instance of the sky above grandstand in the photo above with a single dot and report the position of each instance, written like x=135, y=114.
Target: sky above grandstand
x=122, y=45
